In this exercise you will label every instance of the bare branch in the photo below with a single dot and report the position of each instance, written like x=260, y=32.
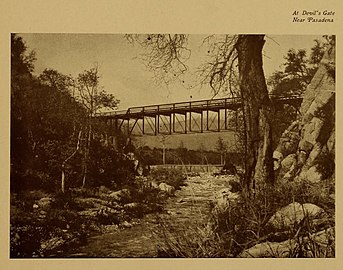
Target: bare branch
x=220, y=69
x=165, y=54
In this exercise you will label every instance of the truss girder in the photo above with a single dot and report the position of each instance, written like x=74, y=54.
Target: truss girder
x=213, y=115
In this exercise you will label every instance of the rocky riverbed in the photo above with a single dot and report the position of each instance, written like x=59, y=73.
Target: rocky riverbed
x=190, y=205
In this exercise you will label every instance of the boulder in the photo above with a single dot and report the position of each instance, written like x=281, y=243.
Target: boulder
x=44, y=203
x=130, y=206
x=289, y=162
x=293, y=213
x=323, y=241
x=104, y=190
x=277, y=157
x=153, y=184
x=166, y=188
x=120, y=194
x=314, y=132
x=126, y=224
x=311, y=175
x=223, y=199
x=270, y=250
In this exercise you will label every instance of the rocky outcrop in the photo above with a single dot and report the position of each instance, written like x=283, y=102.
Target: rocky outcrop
x=292, y=214
x=316, y=245
x=306, y=149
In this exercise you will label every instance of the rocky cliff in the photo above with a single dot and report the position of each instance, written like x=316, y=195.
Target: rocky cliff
x=306, y=151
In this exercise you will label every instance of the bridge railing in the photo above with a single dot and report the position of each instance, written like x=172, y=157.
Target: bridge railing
x=188, y=106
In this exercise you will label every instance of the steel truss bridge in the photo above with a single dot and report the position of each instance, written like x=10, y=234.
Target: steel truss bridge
x=212, y=115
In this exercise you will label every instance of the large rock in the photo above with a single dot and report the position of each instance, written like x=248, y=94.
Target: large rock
x=320, y=244
x=312, y=130
x=289, y=140
x=270, y=250
x=312, y=175
x=120, y=195
x=131, y=206
x=167, y=188
x=288, y=165
x=44, y=203
x=224, y=198
x=292, y=214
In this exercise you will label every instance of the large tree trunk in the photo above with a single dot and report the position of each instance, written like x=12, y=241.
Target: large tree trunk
x=257, y=111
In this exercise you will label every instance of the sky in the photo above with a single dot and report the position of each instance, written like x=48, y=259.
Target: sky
x=123, y=72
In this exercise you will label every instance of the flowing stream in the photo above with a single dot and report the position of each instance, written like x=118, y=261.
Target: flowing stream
x=190, y=205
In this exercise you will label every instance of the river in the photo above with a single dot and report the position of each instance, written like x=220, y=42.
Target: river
x=189, y=207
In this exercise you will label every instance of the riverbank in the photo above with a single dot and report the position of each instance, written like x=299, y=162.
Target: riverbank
x=189, y=208
x=45, y=224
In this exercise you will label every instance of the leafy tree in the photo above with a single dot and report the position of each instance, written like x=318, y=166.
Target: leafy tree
x=56, y=80
x=44, y=120
x=91, y=94
x=93, y=98
x=22, y=64
x=298, y=70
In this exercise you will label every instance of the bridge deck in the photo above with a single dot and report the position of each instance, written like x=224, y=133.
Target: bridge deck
x=192, y=106
x=183, y=117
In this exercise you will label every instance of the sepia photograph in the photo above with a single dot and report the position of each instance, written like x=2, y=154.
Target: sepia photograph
x=169, y=145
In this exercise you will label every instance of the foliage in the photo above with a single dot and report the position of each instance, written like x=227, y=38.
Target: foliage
x=325, y=164
x=298, y=70
x=109, y=167
x=91, y=94
x=221, y=146
x=57, y=80
x=47, y=119
x=43, y=121
x=184, y=156
x=297, y=73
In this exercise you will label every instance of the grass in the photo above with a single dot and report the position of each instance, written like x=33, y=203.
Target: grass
x=243, y=225
x=189, y=241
